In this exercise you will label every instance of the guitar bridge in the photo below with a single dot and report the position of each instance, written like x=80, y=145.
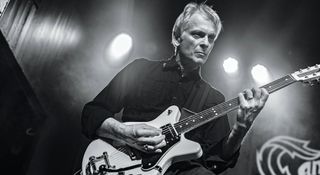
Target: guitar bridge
x=97, y=165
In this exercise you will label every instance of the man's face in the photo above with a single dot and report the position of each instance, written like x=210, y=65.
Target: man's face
x=197, y=39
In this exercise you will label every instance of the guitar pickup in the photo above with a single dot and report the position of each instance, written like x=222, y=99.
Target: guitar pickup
x=133, y=153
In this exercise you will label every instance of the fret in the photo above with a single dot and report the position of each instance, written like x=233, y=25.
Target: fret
x=278, y=84
x=221, y=109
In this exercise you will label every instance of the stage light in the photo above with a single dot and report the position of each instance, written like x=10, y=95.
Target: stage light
x=260, y=74
x=121, y=45
x=230, y=65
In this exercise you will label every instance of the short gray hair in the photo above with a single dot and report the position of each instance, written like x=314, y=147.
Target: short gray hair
x=184, y=17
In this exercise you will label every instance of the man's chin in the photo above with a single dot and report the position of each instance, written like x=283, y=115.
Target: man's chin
x=200, y=61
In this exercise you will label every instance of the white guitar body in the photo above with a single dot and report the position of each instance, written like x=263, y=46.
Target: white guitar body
x=104, y=158
x=117, y=160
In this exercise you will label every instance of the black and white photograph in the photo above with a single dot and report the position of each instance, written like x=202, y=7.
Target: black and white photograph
x=159, y=87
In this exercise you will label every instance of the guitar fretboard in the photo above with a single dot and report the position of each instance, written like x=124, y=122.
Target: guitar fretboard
x=221, y=109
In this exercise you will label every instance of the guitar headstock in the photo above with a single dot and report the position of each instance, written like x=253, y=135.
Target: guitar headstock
x=310, y=75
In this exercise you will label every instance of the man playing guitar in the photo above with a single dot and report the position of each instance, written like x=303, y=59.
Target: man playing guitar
x=144, y=89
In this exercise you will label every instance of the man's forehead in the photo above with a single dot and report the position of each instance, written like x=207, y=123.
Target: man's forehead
x=199, y=21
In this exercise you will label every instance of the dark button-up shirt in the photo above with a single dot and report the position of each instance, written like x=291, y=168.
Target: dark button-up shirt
x=144, y=89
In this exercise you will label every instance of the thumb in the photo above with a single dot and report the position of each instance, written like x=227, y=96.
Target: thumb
x=240, y=114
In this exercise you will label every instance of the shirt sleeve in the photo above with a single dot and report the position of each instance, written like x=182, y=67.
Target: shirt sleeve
x=214, y=135
x=110, y=100
x=215, y=163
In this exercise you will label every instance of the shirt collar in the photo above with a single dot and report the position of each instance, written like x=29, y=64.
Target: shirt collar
x=172, y=65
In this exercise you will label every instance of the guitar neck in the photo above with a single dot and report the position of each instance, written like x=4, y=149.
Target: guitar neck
x=221, y=109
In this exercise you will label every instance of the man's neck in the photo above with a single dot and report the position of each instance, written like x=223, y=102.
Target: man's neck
x=186, y=65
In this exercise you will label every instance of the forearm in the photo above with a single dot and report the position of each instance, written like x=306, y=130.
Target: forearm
x=93, y=115
x=140, y=136
x=233, y=142
x=112, y=129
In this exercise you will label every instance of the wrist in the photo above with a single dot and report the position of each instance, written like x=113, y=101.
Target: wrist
x=111, y=128
x=240, y=129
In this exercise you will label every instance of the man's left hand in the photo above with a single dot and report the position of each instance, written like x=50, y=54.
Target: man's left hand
x=251, y=103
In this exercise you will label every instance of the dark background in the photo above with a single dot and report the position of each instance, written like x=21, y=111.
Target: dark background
x=60, y=57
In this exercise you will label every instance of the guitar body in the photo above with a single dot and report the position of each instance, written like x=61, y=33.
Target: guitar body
x=113, y=158
x=116, y=158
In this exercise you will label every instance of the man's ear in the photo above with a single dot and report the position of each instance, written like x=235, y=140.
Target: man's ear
x=179, y=40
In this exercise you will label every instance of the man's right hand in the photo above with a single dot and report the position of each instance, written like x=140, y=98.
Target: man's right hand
x=144, y=137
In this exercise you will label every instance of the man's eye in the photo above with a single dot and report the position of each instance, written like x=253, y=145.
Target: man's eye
x=196, y=35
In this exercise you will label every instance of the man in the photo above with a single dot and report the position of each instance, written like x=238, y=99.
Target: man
x=144, y=89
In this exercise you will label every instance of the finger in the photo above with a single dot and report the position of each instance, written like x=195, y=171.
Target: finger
x=152, y=141
x=256, y=93
x=264, y=95
x=248, y=94
x=241, y=118
x=158, y=151
x=145, y=126
x=147, y=148
x=147, y=132
x=264, y=98
x=156, y=148
x=148, y=126
x=159, y=146
x=255, y=104
x=240, y=114
x=243, y=102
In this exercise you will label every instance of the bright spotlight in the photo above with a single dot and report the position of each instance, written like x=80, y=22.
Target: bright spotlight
x=121, y=45
x=230, y=65
x=260, y=74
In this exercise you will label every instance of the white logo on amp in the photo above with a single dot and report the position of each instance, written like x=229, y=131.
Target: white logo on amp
x=283, y=155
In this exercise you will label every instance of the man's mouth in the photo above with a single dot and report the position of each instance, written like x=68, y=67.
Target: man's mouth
x=200, y=54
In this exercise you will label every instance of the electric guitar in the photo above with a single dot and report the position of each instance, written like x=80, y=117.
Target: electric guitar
x=112, y=158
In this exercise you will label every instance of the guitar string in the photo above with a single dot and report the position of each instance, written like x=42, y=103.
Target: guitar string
x=225, y=106
x=219, y=108
x=278, y=84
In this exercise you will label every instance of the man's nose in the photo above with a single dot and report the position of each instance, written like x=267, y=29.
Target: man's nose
x=205, y=42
